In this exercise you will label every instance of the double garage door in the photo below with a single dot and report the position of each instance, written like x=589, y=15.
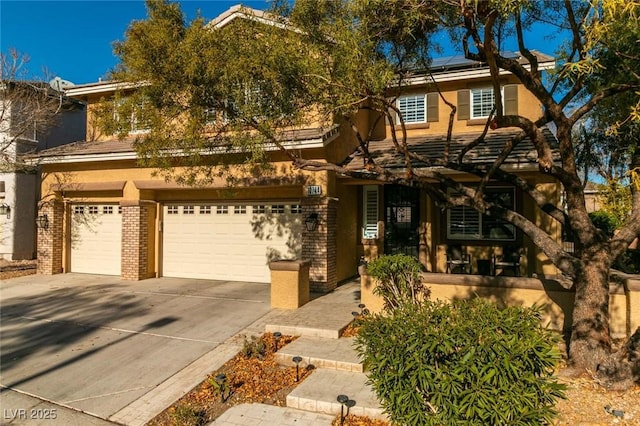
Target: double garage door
x=228, y=241
x=211, y=241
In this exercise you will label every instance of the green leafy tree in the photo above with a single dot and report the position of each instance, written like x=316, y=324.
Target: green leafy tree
x=343, y=59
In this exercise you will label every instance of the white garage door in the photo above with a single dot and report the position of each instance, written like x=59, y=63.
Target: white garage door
x=229, y=242
x=96, y=239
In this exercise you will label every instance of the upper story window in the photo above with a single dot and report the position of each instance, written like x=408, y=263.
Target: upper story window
x=477, y=103
x=413, y=108
x=134, y=116
x=418, y=108
x=482, y=102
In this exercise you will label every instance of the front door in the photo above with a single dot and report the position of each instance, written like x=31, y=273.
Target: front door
x=402, y=220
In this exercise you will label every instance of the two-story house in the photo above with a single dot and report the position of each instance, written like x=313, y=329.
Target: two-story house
x=34, y=117
x=105, y=214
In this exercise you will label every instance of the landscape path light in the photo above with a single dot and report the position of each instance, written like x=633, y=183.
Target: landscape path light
x=296, y=360
x=221, y=380
x=342, y=399
x=277, y=336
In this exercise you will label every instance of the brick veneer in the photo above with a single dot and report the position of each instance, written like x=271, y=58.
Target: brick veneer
x=135, y=239
x=50, y=240
x=320, y=246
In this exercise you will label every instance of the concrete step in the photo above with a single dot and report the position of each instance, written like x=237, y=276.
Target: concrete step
x=268, y=415
x=325, y=316
x=318, y=393
x=334, y=354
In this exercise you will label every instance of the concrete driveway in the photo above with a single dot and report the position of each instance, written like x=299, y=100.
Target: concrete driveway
x=99, y=345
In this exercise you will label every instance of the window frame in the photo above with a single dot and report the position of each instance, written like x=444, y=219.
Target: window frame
x=479, y=238
x=136, y=125
x=404, y=113
x=472, y=101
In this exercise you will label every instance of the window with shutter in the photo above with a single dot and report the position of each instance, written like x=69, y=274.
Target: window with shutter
x=465, y=223
x=370, y=211
x=482, y=102
x=413, y=108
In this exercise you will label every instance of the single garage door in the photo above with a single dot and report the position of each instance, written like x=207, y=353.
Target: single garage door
x=229, y=242
x=96, y=239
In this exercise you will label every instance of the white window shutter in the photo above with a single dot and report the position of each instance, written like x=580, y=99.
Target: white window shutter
x=370, y=211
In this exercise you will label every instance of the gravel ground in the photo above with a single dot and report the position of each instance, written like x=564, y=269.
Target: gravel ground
x=589, y=403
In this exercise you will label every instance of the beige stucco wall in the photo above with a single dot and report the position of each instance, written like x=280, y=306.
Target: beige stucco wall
x=556, y=303
x=528, y=106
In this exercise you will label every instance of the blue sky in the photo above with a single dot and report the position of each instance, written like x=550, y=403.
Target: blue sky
x=73, y=39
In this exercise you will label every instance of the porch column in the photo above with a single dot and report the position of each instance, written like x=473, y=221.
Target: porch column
x=136, y=240
x=50, y=239
x=319, y=246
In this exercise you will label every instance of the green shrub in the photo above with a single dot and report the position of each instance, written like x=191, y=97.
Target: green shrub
x=464, y=363
x=398, y=280
x=606, y=221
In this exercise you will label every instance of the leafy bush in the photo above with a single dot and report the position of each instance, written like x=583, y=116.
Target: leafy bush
x=398, y=280
x=467, y=362
x=605, y=221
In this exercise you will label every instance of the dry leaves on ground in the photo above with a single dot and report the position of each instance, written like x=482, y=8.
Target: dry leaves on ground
x=249, y=379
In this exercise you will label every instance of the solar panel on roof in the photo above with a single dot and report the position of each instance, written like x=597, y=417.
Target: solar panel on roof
x=458, y=61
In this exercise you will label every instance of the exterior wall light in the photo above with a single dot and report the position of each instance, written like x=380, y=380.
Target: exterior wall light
x=5, y=209
x=311, y=222
x=42, y=221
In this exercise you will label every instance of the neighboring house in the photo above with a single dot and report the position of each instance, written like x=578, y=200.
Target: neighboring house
x=19, y=135
x=107, y=215
x=592, y=197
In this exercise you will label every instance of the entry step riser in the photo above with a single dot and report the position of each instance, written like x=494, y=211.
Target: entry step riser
x=318, y=393
x=325, y=407
x=287, y=361
x=303, y=331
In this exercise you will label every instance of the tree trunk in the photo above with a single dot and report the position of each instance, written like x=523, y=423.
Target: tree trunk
x=590, y=342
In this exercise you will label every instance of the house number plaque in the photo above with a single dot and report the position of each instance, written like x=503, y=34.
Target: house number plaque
x=314, y=190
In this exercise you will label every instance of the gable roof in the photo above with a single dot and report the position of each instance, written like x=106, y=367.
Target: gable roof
x=239, y=11
x=523, y=155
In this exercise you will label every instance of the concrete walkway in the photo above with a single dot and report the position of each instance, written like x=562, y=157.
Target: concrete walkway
x=338, y=369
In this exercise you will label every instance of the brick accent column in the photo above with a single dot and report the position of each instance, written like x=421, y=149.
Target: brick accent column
x=135, y=239
x=319, y=246
x=50, y=240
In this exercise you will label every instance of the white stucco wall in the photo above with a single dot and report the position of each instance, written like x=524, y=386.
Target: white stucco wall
x=17, y=232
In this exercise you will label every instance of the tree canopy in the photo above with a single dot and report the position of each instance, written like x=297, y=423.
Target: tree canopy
x=212, y=88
